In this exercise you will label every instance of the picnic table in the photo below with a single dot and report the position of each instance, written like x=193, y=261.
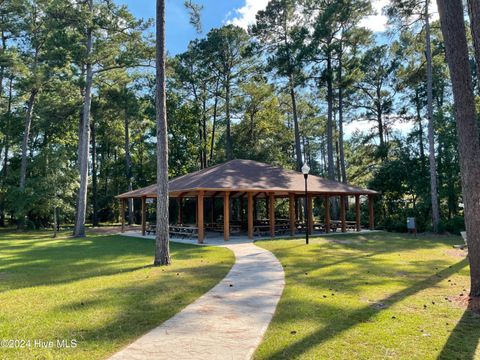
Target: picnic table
x=262, y=230
x=351, y=225
x=151, y=229
x=218, y=227
x=183, y=231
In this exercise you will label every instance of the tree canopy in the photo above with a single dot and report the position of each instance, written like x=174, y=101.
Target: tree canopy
x=307, y=82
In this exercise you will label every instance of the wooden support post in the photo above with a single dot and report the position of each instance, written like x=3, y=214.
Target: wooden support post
x=342, y=213
x=180, y=206
x=144, y=216
x=226, y=216
x=250, y=215
x=196, y=212
x=296, y=209
x=200, y=210
x=327, y=213
x=122, y=214
x=310, y=214
x=371, y=212
x=357, y=212
x=291, y=206
x=271, y=214
x=267, y=206
x=241, y=210
x=212, y=214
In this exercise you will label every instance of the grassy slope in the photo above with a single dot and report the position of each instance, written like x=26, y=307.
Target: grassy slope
x=376, y=297
x=100, y=290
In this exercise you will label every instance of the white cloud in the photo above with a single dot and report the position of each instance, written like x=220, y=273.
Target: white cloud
x=357, y=125
x=349, y=129
x=378, y=22
x=245, y=15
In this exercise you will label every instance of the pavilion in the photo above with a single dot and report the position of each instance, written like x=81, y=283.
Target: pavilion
x=240, y=180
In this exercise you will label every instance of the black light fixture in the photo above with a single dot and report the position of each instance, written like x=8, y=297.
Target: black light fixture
x=305, y=171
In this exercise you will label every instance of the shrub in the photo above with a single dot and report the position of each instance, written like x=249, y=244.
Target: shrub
x=454, y=225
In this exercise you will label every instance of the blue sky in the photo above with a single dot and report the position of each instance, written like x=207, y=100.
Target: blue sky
x=216, y=13
x=178, y=30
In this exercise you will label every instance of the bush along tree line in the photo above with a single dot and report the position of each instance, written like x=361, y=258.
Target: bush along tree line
x=306, y=81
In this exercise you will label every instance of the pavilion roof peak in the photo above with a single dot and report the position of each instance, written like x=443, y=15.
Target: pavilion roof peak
x=242, y=175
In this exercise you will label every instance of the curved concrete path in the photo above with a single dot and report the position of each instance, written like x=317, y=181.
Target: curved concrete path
x=228, y=322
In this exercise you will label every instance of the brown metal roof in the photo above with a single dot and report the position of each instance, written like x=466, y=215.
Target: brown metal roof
x=248, y=175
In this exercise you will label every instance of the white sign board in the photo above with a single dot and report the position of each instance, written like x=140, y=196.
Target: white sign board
x=411, y=223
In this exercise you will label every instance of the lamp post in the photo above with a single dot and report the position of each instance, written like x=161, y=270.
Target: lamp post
x=305, y=171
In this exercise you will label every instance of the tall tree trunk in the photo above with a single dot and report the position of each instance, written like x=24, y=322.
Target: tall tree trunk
x=252, y=130
x=26, y=137
x=324, y=157
x=420, y=129
x=474, y=14
x=84, y=139
x=162, y=246
x=214, y=124
x=94, y=176
x=54, y=222
x=2, y=66
x=337, y=162
x=296, y=128
x=453, y=30
x=340, y=119
x=381, y=129
x=330, y=128
x=227, y=115
x=128, y=166
x=331, y=163
x=431, y=127
x=204, y=127
x=6, y=149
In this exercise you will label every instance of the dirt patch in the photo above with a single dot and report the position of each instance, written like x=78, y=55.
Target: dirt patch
x=467, y=302
x=457, y=253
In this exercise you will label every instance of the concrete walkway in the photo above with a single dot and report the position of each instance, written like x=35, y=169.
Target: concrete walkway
x=229, y=321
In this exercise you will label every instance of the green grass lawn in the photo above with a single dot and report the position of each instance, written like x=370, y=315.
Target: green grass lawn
x=100, y=291
x=381, y=296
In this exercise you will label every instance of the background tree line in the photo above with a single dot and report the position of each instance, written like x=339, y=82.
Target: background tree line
x=77, y=106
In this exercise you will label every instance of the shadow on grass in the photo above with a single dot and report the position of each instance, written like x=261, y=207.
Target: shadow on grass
x=364, y=314
x=463, y=340
x=105, y=313
x=36, y=260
